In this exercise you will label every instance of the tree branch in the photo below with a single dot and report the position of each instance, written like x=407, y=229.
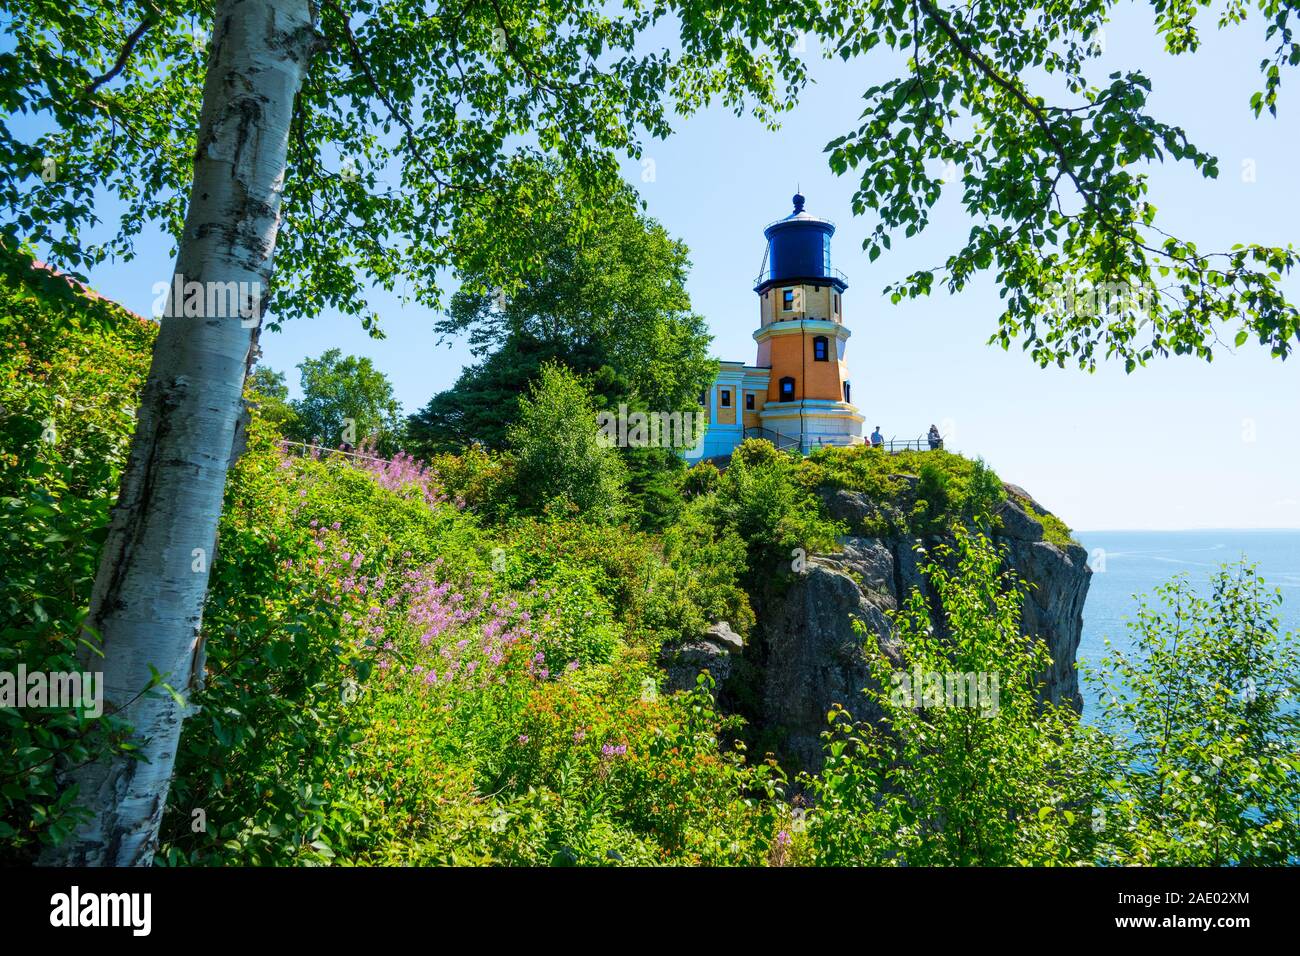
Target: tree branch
x=410, y=137
x=1038, y=113
x=122, y=57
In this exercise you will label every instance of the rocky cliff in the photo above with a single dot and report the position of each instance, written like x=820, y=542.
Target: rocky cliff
x=805, y=655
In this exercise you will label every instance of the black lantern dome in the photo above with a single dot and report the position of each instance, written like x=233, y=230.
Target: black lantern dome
x=799, y=250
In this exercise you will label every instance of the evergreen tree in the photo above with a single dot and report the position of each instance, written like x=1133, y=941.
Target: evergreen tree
x=484, y=402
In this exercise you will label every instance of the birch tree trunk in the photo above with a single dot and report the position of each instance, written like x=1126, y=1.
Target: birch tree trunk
x=147, y=602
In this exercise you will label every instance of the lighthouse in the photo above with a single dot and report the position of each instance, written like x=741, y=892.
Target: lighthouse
x=798, y=393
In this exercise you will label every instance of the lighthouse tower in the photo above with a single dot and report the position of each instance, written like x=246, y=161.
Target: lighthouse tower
x=797, y=394
x=801, y=335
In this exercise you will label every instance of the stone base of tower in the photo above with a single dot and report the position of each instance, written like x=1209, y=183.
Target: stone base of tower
x=814, y=423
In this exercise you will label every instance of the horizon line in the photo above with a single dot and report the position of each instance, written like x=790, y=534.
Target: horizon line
x=1178, y=530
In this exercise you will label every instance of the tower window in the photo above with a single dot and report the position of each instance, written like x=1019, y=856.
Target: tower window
x=726, y=398
x=847, y=393
x=787, y=300
x=837, y=303
x=820, y=351
x=749, y=401
x=787, y=389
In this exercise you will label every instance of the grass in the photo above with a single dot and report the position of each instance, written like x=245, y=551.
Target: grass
x=916, y=492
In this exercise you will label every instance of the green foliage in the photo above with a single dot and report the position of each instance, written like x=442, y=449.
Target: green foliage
x=1054, y=180
x=345, y=400
x=470, y=131
x=911, y=492
x=268, y=383
x=68, y=386
x=560, y=461
x=932, y=496
x=1055, y=531
x=404, y=667
x=707, y=563
x=610, y=294
x=701, y=479
x=966, y=766
x=982, y=491
x=654, y=486
x=1202, y=712
x=475, y=479
x=321, y=736
x=542, y=740
x=311, y=552
x=268, y=390
x=759, y=498
x=484, y=402
x=587, y=770
x=1052, y=171
x=319, y=739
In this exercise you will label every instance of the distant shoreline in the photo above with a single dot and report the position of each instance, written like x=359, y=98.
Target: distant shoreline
x=1183, y=530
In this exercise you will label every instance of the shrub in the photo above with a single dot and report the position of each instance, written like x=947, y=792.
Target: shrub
x=760, y=499
x=701, y=479
x=923, y=491
x=560, y=461
x=942, y=779
x=68, y=389
x=381, y=667
x=1202, y=714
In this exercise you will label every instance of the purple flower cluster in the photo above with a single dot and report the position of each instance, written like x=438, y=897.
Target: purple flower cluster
x=336, y=579
x=462, y=633
x=404, y=473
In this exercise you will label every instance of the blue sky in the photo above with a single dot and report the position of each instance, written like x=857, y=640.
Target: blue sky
x=1180, y=444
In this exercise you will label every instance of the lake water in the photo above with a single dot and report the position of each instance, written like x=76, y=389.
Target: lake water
x=1126, y=563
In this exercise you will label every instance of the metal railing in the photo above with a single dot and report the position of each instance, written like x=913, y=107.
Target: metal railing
x=791, y=443
x=766, y=274
x=781, y=442
x=895, y=445
x=808, y=218
x=307, y=450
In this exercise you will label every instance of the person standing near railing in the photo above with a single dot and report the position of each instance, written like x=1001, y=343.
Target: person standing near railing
x=877, y=439
x=936, y=440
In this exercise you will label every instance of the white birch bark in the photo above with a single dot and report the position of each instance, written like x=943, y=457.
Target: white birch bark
x=147, y=603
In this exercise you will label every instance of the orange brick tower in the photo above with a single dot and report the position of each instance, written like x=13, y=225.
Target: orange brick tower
x=802, y=337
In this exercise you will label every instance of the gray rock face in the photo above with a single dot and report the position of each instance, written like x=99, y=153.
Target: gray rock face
x=855, y=508
x=812, y=656
x=1054, y=608
x=721, y=635
x=1018, y=523
x=711, y=651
